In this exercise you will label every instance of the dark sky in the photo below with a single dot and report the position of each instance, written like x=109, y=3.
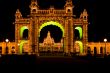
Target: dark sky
x=98, y=16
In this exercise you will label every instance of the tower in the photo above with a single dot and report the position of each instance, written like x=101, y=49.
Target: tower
x=34, y=6
x=85, y=29
x=69, y=6
x=69, y=26
x=21, y=28
x=18, y=14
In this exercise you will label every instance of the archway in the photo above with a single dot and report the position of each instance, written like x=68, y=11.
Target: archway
x=55, y=33
x=80, y=46
x=25, y=34
x=95, y=51
x=21, y=46
x=22, y=29
x=88, y=50
x=80, y=31
x=52, y=23
x=101, y=50
x=76, y=34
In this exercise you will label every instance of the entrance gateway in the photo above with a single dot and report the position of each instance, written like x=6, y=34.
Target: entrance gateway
x=74, y=31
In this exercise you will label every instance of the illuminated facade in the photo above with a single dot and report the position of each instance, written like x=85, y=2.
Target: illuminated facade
x=63, y=19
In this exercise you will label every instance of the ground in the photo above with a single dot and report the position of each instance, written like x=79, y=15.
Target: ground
x=33, y=59
x=79, y=64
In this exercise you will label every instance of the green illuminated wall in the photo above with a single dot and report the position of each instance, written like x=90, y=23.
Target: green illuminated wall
x=22, y=30
x=21, y=46
x=81, y=46
x=80, y=31
x=52, y=23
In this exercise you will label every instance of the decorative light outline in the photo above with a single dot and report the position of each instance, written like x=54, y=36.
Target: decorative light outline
x=80, y=31
x=21, y=46
x=52, y=23
x=22, y=30
x=80, y=45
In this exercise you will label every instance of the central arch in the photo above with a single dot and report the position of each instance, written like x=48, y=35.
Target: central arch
x=52, y=23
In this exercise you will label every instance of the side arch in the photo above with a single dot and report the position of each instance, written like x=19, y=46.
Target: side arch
x=21, y=46
x=80, y=31
x=80, y=45
x=22, y=30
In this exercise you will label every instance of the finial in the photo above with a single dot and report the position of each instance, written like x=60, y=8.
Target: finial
x=48, y=34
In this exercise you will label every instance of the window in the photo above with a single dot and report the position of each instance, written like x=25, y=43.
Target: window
x=69, y=10
x=85, y=18
x=13, y=48
x=34, y=10
x=25, y=34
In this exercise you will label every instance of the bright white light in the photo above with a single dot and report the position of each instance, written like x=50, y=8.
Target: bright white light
x=7, y=40
x=105, y=40
x=18, y=44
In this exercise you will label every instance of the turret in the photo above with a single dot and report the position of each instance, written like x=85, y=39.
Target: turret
x=69, y=6
x=34, y=6
x=18, y=14
x=84, y=15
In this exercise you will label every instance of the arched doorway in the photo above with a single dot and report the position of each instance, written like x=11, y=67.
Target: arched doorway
x=78, y=47
x=21, y=46
x=52, y=23
x=78, y=32
x=88, y=50
x=25, y=34
x=95, y=51
x=56, y=34
x=101, y=50
x=78, y=38
x=76, y=35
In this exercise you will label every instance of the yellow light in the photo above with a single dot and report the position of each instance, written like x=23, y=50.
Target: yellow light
x=22, y=30
x=80, y=31
x=21, y=45
x=80, y=45
x=52, y=23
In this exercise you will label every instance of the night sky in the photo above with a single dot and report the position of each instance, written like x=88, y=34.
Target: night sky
x=98, y=16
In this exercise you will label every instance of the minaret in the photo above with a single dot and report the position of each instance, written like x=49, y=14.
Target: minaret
x=18, y=14
x=34, y=6
x=48, y=34
x=69, y=6
x=85, y=15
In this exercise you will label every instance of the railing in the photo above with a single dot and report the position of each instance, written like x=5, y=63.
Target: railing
x=23, y=20
x=51, y=11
